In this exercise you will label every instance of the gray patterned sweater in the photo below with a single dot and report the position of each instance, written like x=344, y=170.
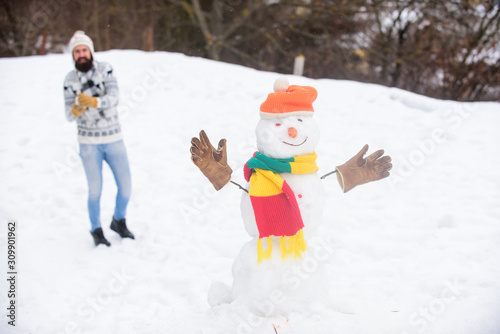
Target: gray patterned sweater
x=97, y=125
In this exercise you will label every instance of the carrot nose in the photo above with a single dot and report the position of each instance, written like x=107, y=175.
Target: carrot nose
x=292, y=132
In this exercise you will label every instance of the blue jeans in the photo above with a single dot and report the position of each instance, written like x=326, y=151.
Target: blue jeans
x=115, y=155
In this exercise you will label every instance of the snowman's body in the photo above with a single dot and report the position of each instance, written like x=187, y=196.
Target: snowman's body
x=279, y=286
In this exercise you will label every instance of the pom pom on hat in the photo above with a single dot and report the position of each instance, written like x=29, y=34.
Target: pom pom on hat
x=281, y=84
x=288, y=100
x=79, y=38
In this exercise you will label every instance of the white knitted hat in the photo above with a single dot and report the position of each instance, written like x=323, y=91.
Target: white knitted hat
x=79, y=38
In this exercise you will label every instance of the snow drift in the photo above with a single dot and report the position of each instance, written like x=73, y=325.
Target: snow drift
x=416, y=253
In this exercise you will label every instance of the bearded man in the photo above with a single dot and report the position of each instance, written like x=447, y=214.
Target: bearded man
x=91, y=97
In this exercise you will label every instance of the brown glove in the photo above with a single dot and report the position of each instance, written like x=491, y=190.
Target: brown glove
x=211, y=162
x=359, y=170
x=77, y=111
x=86, y=101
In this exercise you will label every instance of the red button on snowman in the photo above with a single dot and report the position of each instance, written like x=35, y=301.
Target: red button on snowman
x=283, y=200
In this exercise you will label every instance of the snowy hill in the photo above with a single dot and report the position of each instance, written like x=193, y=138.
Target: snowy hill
x=416, y=253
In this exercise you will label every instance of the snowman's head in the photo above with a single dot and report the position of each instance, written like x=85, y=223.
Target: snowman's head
x=287, y=128
x=287, y=137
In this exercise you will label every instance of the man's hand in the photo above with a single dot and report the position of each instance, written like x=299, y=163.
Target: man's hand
x=211, y=162
x=86, y=101
x=359, y=170
x=77, y=111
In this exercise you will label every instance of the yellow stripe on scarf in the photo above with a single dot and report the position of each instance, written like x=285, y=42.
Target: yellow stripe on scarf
x=265, y=183
x=304, y=164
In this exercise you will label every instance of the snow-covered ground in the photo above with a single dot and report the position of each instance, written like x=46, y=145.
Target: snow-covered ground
x=416, y=253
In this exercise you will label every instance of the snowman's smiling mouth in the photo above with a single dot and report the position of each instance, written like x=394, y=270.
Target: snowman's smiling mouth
x=294, y=144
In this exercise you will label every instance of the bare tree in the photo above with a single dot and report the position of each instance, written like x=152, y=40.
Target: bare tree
x=441, y=48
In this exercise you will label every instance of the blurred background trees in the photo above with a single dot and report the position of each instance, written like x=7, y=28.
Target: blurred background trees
x=446, y=49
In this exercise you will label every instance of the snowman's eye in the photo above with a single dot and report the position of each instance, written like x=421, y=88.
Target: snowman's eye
x=300, y=120
x=278, y=124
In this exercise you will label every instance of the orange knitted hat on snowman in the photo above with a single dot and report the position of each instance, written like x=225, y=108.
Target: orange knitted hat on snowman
x=288, y=100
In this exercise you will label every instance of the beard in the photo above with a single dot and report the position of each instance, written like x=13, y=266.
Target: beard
x=83, y=64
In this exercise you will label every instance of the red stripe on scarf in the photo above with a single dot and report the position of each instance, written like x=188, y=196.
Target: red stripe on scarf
x=277, y=215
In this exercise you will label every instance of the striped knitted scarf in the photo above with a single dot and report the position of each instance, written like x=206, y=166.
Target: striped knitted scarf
x=274, y=204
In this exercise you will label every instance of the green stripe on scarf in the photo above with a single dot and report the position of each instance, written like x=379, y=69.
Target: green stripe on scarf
x=275, y=165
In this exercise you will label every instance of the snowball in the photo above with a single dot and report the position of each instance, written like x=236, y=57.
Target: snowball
x=219, y=293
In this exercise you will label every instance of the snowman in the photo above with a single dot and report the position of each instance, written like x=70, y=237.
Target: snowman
x=282, y=203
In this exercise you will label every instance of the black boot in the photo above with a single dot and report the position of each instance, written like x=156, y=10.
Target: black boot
x=120, y=227
x=99, y=237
